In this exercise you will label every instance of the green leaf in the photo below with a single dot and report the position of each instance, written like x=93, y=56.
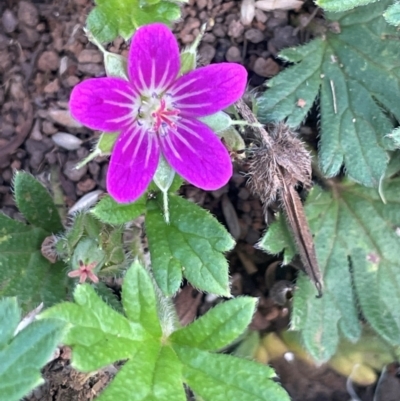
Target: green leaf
x=99, y=334
x=139, y=299
x=218, y=121
x=202, y=372
x=22, y=359
x=356, y=244
x=122, y=17
x=35, y=203
x=392, y=14
x=356, y=73
x=111, y=212
x=219, y=327
x=341, y=5
x=278, y=239
x=154, y=373
x=24, y=271
x=104, y=29
x=10, y=316
x=157, y=367
x=115, y=66
x=192, y=245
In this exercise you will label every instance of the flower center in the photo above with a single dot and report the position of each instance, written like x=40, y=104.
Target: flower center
x=158, y=114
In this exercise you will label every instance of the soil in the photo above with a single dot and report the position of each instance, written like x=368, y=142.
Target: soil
x=44, y=53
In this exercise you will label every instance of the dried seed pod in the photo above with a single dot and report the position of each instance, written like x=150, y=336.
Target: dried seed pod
x=279, y=164
x=283, y=161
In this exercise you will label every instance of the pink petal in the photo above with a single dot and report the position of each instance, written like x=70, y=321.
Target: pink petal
x=93, y=277
x=133, y=163
x=83, y=277
x=153, y=58
x=74, y=273
x=209, y=89
x=107, y=104
x=197, y=154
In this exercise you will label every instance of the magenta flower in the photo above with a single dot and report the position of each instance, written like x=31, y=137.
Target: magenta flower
x=157, y=112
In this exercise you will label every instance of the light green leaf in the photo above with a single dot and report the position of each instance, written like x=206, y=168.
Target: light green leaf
x=192, y=245
x=35, y=203
x=122, y=17
x=164, y=175
x=24, y=271
x=219, y=327
x=392, y=14
x=106, y=142
x=356, y=73
x=104, y=29
x=214, y=377
x=98, y=336
x=22, y=359
x=342, y=5
x=139, y=299
x=111, y=212
x=154, y=373
x=10, y=316
x=115, y=65
x=218, y=121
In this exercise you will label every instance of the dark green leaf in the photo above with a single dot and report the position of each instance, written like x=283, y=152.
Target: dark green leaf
x=192, y=245
x=356, y=72
x=27, y=353
x=354, y=231
x=24, y=271
x=35, y=203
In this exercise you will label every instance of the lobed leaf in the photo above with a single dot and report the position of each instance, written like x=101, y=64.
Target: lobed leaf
x=22, y=359
x=191, y=245
x=356, y=245
x=157, y=364
x=356, y=73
